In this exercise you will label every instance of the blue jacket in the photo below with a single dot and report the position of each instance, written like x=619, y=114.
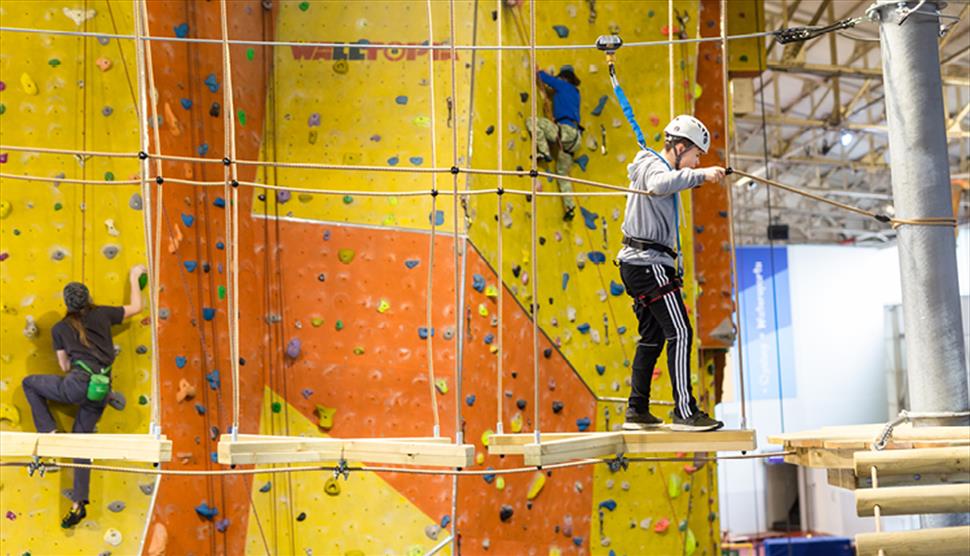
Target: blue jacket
x=565, y=103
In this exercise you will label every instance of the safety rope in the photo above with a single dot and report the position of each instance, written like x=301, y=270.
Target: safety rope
x=433, y=217
x=534, y=233
x=499, y=226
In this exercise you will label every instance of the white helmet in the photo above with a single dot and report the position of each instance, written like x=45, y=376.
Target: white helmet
x=689, y=128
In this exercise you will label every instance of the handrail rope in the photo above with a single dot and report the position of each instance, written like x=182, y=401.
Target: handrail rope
x=534, y=231
x=434, y=223
x=499, y=225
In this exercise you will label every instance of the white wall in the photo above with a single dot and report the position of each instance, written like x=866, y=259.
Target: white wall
x=838, y=295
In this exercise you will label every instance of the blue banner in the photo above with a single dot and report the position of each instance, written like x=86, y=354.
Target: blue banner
x=766, y=326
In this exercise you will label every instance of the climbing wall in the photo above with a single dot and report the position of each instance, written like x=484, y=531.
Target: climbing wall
x=76, y=94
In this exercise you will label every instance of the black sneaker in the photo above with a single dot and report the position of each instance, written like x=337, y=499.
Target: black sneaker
x=569, y=214
x=543, y=157
x=74, y=516
x=697, y=422
x=639, y=420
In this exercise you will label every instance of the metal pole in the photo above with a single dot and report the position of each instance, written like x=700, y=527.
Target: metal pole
x=936, y=364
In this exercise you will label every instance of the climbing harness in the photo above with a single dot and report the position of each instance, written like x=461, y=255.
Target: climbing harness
x=647, y=245
x=100, y=383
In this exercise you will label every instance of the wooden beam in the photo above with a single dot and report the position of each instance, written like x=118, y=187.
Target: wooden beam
x=911, y=500
x=123, y=447
x=907, y=462
x=946, y=541
x=807, y=123
x=514, y=444
x=373, y=450
x=861, y=437
x=819, y=458
x=675, y=441
x=588, y=446
x=832, y=70
x=847, y=479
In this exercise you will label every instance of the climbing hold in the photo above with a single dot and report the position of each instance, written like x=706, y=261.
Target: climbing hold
x=421, y=121
x=616, y=289
x=561, y=31
x=486, y=434
x=432, y=531
x=346, y=255
x=331, y=487
x=5, y=209
x=304, y=6
x=582, y=424
x=293, y=348
x=583, y=328
x=313, y=120
x=113, y=537
x=491, y=291
x=674, y=484
x=538, y=481
x=505, y=513
x=582, y=161
x=206, y=512
x=489, y=477
x=181, y=30
x=221, y=290
x=116, y=506
x=516, y=423
x=301, y=516
x=383, y=306
x=109, y=176
x=482, y=310
x=107, y=111
x=190, y=265
x=222, y=525
x=325, y=416
x=441, y=385
x=200, y=409
x=478, y=282
x=589, y=218
x=599, y=105
x=180, y=361
x=520, y=403
x=489, y=338
x=608, y=504
x=212, y=83
x=186, y=103
x=265, y=488
x=600, y=369
x=339, y=325
x=250, y=54
x=188, y=220
x=215, y=109
x=110, y=251
x=557, y=406
x=28, y=84
x=470, y=400
x=316, y=322
x=596, y=257
x=104, y=64
x=393, y=161
x=401, y=99
x=186, y=391
x=661, y=526
x=208, y=313
x=213, y=379
x=423, y=332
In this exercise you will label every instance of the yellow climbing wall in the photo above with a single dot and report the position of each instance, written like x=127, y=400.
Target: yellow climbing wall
x=357, y=106
x=68, y=93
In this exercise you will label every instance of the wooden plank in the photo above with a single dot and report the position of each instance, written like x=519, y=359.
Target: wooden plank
x=862, y=436
x=123, y=447
x=947, y=541
x=908, y=462
x=640, y=442
x=568, y=449
x=268, y=438
x=917, y=479
x=821, y=458
x=906, y=500
x=371, y=450
x=514, y=444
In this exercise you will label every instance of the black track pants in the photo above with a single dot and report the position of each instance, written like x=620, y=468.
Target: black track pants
x=662, y=317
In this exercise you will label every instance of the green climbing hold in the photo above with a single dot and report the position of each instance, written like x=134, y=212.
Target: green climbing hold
x=142, y=400
x=250, y=54
x=242, y=116
x=53, y=62
x=58, y=206
x=277, y=407
x=221, y=290
x=348, y=199
x=142, y=281
x=744, y=57
x=304, y=6
x=109, y=176
x=3, y=108
x=339, y=325
x=650, y=13
x=346, y=255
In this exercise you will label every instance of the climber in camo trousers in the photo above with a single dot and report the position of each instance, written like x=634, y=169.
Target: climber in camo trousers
x=565, y=132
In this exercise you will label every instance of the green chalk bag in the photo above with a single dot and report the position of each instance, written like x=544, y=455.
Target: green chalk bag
x=100, y=383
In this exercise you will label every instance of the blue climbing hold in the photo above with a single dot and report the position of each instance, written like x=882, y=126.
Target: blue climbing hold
x=180, y=361
x=200, y=409
x=190, y=265
x=608, y=504
x=219, y=202
x=306, y=393
x=203, y=149
x=213, y=456
x=439, y=217
x=186, y=103
x=561, y=30
x=208, y=313
x=583, y=328
x=565, y=280
x=206, y=511
x=212, y=82
x=416, y=160
x=596, y=257
x=182, y=30
x=411, y=263
x=326, y=235
x=589, y=218
x=423, y=332
x=220, y=245
x=393, y=161
x=489, y=338
x=213, y=379
x=265, y=488
x=582, y=424
x=188, y=220
x=478, y=282
x=621, y=330
x=578, y=541
x=470, y=400
x=582, y=161
x=601, y=370
x=445, y=521
x=616, y=289
x=600, y=105
x=490, y=476
x=401, y=99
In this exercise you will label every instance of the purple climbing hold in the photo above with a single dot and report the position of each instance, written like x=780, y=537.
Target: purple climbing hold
x=186, y=103
x=293, y=348
x=182, y=30
x=582, y=161
x=11, y=516
x=283, y=196
x=213, y=379
x=107, y=111
x=212, y=82
x=222, y=525
x=180, y=361
x=188, y=220
x=208, y=313
x=4, y=256
x=375, y=138
x=326, y=235
x=411, y=263
x=600, y=105
x=561, y=30
x=205, y=511
x=306, y=393
x=401, y=99
x=313, y=120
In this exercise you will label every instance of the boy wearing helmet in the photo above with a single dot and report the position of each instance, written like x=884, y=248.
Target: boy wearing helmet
x=647, y=268
x=565, y=131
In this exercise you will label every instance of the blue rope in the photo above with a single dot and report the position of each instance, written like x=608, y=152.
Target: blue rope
x=628, y=112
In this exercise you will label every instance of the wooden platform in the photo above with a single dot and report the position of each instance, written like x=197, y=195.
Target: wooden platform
x=251, y=449
x=559, y=447
x=124, y=447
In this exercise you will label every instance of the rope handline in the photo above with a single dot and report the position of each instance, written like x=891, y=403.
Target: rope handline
x=534, y=232
x=499, y=225
x=433, y=217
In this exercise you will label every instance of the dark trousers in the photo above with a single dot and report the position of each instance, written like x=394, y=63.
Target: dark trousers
x=70, y=389
x=663, y=318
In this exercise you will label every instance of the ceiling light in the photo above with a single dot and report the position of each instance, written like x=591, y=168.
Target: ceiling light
x=846, y=138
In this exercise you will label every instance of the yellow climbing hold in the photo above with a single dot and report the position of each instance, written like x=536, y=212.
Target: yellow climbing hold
x=359, y=350
x=516, y=424
x=422, y=121
x=5, y=208
x=28, y=84
x=415, y=551
x=346, y=255
x=9, y=413
x=331, y=487
x=555, y=551
x=326, y=415
x=482, y=310
x=383, y=306
x=491, y=291
x=674, y=486
x=500, y=483
x=538, y=481
x=485, y=436
x=441, y=385
x=480, y=458
x=690, y=543
x=354, y=553
x=316, y=322
x=493, y=349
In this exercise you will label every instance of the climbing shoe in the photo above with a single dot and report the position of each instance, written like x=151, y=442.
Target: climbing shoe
x=74, y=516
x=639, y=420
x=543, y=157
x=569, y=214
x=697, y=422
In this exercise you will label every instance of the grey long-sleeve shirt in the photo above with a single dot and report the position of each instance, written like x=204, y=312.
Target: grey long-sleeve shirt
x=653, y=217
